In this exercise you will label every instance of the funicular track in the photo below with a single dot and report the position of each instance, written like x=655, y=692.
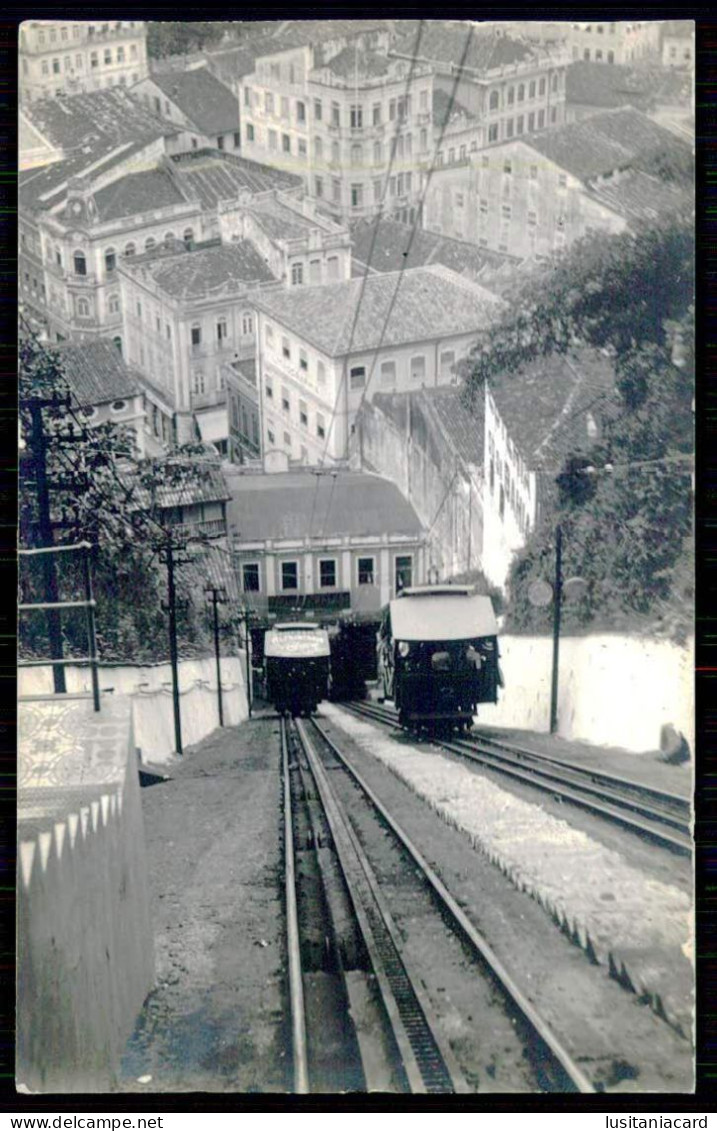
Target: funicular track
x=663, y=818
x=426, y=1062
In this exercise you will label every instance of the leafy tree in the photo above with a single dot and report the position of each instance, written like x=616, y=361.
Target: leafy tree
x=624, y=503
x=101, y=493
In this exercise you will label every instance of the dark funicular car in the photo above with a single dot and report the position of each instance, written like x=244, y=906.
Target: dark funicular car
x=296, y=657
x=438, y=655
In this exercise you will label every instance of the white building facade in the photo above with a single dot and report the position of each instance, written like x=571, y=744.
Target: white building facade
x=69, y=56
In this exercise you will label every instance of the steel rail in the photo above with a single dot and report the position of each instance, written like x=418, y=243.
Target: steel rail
x=573, y=1073
x=550, y=782
x=296, y=986
x=427, y=1061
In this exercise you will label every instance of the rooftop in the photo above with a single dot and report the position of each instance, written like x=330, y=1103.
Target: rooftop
x=81, y=121
x=195, y=274
x=330, y=504
x=461, y=426
x=202, y=97
x=212, y=178
x=423, y=303
x=561, y=391
x=447, y=109
x=388, y=249
x=305, y=33
x=42, y=189
x=282, y=222
x=96, y=371
x=639, y=196
x=608, y=87
x=136, y=193
x=604, y=142
x=354, y=63
x=445, y=42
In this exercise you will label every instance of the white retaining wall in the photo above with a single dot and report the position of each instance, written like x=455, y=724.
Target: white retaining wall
x=613, y=690
x=150, y=690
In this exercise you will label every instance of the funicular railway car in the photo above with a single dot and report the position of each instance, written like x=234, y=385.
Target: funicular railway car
x=438, y=656
x=296, y=657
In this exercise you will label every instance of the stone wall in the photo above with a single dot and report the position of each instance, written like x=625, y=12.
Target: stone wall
x=84, y=940
x=149, y=689
x=613, y=690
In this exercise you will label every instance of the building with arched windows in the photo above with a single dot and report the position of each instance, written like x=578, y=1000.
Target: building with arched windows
x=69, y=56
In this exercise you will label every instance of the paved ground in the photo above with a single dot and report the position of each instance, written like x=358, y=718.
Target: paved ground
x=215, y=1021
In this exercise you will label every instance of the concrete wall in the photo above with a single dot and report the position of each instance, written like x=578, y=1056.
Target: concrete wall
x=614, y=690
x=149, y=690
x=85, y=946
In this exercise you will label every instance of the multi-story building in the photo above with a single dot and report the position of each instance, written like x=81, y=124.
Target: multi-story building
x=506, y=86
x=621, y=41
x=197, y=103
x=338, y=120
x=524, y=451
x=538, y=195
x=678, y=44
x=185, y=313
x=322, y=350
x=105, y=389
x=69, y=56
x=322, y=544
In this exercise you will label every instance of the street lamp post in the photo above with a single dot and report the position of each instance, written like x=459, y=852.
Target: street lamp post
x=557, y=608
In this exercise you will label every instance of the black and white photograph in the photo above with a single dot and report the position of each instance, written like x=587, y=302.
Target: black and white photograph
x=356, y=599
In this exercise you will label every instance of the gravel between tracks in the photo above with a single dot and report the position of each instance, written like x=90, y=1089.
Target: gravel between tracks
x=641, y=924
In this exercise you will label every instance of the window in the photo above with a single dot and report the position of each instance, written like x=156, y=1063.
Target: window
x=273, y=139
x=139, y=309
x=321, y=372
x=269, y=391
x=301, y=112
x=356, y=196
x=531, y=90
x=289, y=575
x=404, y=572
x=196, y=336
x=198, y=382
x=460, y=200
x=507, y=168
x=598, y=56
x=188, y=236
x=554, y=84
x=270, y=435
x=315, y=271
x=247, y=323
x=509, y=125
x=366, y=571
x=110, y=259
x=336, y=188
x=94, y=60
x=303, y=414
x=285, y=143
x=285, y=402
x=519, y=124
x=150, y=244
x=335, y=154
x=55, y=66
x=532, y=219
x=108, y=57
x=493, y=132
x=586, y=54
x=83, y=307
x=531, y=121
x=285, y=107
x=327, y=573
x=45, y=68
x=357, y=377
x=80, y=263
x=448, y=360
x=318, y=148
x=483, y=205
x=286, y=348
x=287, y=440
x=113, y=304
x=319, y=186
x=222, y=330
x=418, y=368
x=356, y=117
x=320, y=426
x=541, y=119
x=541, y=86
x=335, y=114
x=494, y=100
x=168, y=329
x=611, y=56
x=511, y=95
x=357, y=156
x=318, y=109
x=247, y=96
x=553, y=114
x=250, y=577
x=506, y=211
x=118, y=406
x=268, y=102
x=376, y=115
x=220, y=142
x=521, y=92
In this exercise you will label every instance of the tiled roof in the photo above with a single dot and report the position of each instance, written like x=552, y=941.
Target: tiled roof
x=194, y=274
x=392, y=239
x=137, y=193
x=212, y=178
x=299, y=504
x=421, y=304
x=607, y=87
x=95, y=371
x=603, y=142
x=445, y=107
x=305, y=33
x=282, y=222
x=352, y=62
x=187, y=482
x=638, y=196
x=233, y=63
x=81, y=121
x=202, y=98
x=560, y=391
x=42, y=189
x=445, y=42
x=463, y=426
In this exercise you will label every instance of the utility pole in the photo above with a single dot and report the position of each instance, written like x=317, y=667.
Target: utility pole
x=557, y=603
x=38, y=445
x=218, y=597
x=171, y=608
